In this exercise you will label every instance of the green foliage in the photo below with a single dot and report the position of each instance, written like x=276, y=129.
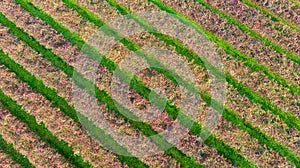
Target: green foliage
x=266, y=104
x=28, y=78
x=40, y=129
x=270, y=14
x=229, y=49
x=253, y=65
x=14, y=154
x=142, y=90
x=295, y=3
x=262, y=138
x=146, y=129
x=252, y=33
x=290, y=119
x=101, y=95
x=51, y=94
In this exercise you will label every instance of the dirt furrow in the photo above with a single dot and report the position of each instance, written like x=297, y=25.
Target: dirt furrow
x=281, y=34
x=6, y=161
x=283, y=8
x=65, y=44
x=154, y=80
x=279, y=97
x=255, y=80
x=158, y=128
x=27, y=143
x=249, y=146
x=60, y=125
x=256, y=49
x=51, y=75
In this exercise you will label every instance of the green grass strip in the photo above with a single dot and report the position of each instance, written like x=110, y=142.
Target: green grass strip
x=266, y=104
x=171, y=109
x=228, y=114
x=243, y=90
x=262, y=138
x=207, y=100
x=254, y=132
x=102, y=96
x=291, y=120
x=39, y=86
x=273, y=16
x=40, y=129
x=229, y=49
x=14, y=154
x=226, y=150
x=288, y=118
x=196, y=129
x=244, y=28
x=210, y=140
x=57, y=101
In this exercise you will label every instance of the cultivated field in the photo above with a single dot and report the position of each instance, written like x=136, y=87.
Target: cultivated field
x=150, y=83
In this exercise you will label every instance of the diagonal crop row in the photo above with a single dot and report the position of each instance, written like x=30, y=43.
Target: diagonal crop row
x=238, y=86
x=291, y=55
x=59, y=31
x=102, y=96
x=284, y=9
x=192, y=56
x=279, y=33
x=257, y=81
x=270, y=14
x=17, y=133
x=291, y=120
x=266, y=104
x=250, y=62
x=40, y=129
x=14, y=154
x=213, y=141
x=221, y=145
x=51, y=95
x=227, y=150
x=7, y=160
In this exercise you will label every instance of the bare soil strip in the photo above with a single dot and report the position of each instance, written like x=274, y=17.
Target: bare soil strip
x=147, y=40
x=279, y=33
x=60, y=125
x=153, y=80
x=284, y=9
x=241, y=72
x=278, y=130
x=56, y=79
x=27, y=143
x=69, y=23
x=240, y=40
x=40, y=71
x=5, y=160
x=64, y=50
